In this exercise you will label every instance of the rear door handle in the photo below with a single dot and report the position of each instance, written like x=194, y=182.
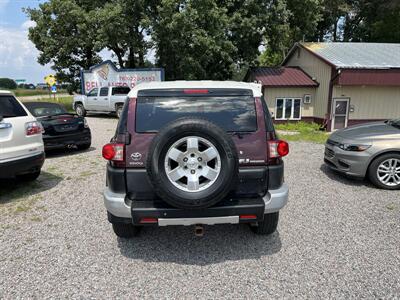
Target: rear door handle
x=5, y=125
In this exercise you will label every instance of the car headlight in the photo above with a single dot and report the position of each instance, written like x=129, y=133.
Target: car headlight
x=85, y=123
x=353, y=147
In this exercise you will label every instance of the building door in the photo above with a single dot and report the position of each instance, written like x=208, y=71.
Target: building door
x=340, y=113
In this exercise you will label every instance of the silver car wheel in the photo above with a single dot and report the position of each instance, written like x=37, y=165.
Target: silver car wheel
x=388, y=172
x=192, y=164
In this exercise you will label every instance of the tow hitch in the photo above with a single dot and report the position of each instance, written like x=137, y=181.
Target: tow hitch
x=199, y=230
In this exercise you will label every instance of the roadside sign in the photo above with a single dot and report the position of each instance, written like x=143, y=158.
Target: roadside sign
x=54, y=89
x=107, y=74
x=50, y=80
x=19, y=81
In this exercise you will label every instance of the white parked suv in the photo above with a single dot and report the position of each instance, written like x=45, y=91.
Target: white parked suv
x=21, y=143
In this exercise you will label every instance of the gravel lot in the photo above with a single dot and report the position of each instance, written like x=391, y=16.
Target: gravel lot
x=336, y=238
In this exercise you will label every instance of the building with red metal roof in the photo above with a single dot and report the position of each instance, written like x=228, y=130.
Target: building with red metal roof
x=334, y=84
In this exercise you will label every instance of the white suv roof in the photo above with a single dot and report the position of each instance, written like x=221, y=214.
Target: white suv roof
x=201, y=84
x=4, y=92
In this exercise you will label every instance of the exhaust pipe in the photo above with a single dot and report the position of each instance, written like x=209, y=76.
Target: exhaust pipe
x=70, y=146
x=198, y=230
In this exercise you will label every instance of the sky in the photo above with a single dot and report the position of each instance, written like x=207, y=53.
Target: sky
x=18, y=55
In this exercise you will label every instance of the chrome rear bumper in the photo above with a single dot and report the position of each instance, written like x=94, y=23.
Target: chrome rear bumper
x=117, y=206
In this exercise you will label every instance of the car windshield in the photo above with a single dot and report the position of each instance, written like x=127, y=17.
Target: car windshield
x=394, y=123
x=45, y=109
x=232, y=113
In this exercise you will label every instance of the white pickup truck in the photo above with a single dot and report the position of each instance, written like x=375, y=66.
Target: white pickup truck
x=104, y=99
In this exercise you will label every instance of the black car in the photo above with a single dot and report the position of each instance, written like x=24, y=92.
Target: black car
x=61, y=128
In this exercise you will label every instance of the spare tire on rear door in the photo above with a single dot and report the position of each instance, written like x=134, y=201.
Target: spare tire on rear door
x=192, y=163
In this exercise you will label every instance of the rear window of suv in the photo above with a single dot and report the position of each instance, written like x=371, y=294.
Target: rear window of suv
x=10, y=107
x=232, y=113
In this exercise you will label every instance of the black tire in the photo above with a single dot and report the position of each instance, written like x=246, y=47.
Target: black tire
x=118, y=110
x=268, y=225
x=171, y=133
x=84, y=146
x=80, y=110
x=373, y=167
x=125, y=230
x=28, y=177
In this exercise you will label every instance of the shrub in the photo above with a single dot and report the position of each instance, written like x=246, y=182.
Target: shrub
x=7, y=83
x=300, y=126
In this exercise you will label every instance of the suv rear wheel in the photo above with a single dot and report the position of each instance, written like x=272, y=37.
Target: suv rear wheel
x=125, y=230
x=268, y=225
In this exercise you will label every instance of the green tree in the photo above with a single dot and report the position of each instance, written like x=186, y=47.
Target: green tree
x=69, y=34
x=212, y=39
x=7, y=83
x=332, y=12
x=125, y=29
x=190, y=38
x=65, y=37
x=373, y=21
x=304, y=17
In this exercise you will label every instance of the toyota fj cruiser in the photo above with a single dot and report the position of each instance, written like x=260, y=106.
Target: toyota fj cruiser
x=195, y=153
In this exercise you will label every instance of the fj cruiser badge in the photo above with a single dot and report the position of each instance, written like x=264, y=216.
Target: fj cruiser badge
x=136, y=156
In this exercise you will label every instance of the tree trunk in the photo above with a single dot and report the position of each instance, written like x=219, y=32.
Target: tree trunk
x=89, y=57
x=139, y=38
x=131, y=58
x=335, y=28
x=118, y=52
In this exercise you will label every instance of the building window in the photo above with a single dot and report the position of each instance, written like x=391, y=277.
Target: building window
x=288, y=109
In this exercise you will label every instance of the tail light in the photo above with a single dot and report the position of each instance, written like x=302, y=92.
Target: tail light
x=148, y=220
x=114, y=152
x=247, y=217
x=32, y=128
x=277, y=148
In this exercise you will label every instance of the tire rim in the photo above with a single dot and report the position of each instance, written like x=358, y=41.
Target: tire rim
x=388, y=172
x=192, y=164
x=79, y=110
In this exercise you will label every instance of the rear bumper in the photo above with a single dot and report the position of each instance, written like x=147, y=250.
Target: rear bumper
x=61, y=141
x=25, y=165
x=121, y=209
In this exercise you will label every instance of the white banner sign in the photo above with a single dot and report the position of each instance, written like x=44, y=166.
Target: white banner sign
x=106, y=74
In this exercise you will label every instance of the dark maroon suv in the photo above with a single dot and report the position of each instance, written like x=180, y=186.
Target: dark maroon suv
x=194, y=153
